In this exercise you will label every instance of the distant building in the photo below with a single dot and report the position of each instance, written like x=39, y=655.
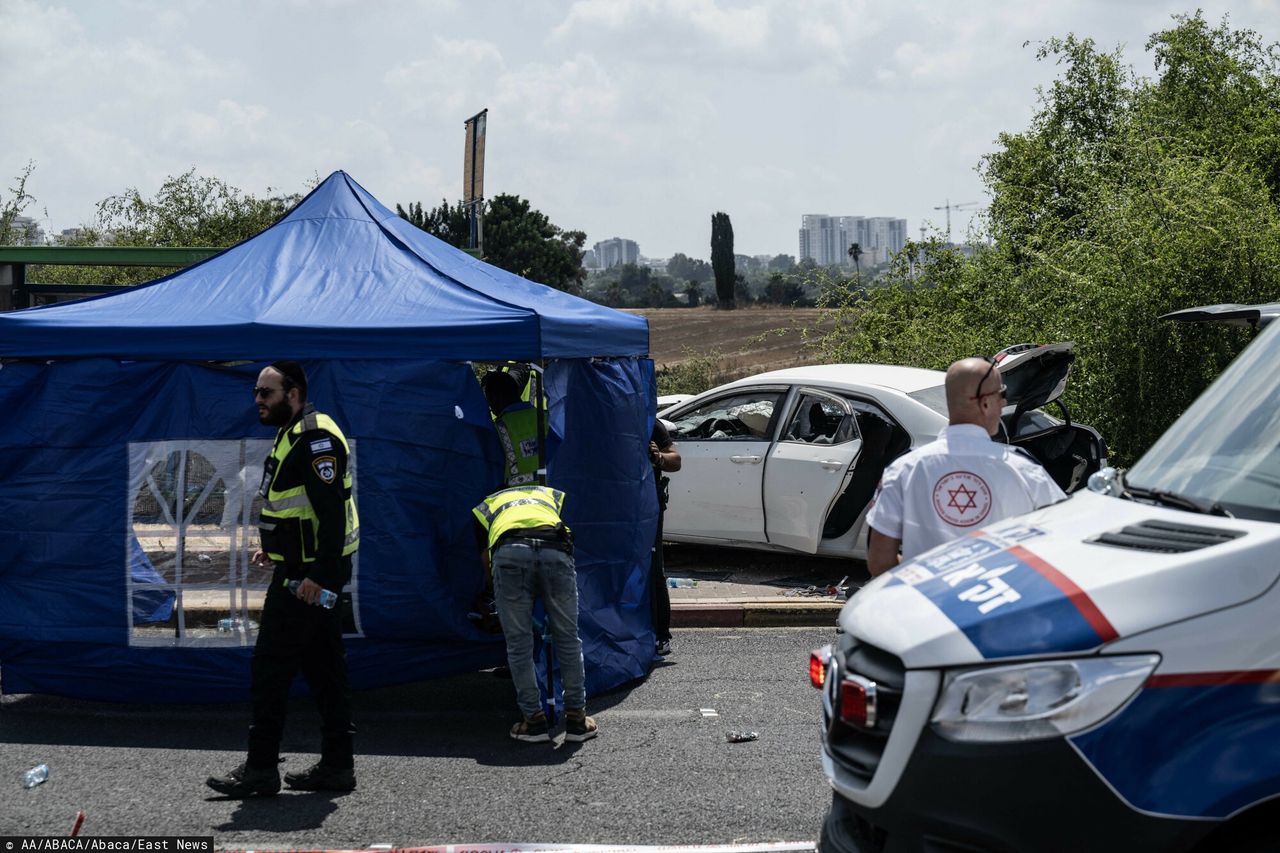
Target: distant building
x=70, y=236
x=616, y=252
x=826, y=239
x=589, y=260
x=25, y=231
x=656, y=264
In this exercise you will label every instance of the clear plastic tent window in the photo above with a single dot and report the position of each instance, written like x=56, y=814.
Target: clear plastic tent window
x=192, y=523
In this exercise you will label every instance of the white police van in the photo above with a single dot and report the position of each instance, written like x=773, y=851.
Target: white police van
x=1102, y=674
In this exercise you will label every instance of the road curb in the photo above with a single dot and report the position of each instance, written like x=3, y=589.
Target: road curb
x=754, y=614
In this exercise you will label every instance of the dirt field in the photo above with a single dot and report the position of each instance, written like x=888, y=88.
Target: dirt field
x=745, y=341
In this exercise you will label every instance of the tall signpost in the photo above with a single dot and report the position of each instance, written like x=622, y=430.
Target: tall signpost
x=473, y=179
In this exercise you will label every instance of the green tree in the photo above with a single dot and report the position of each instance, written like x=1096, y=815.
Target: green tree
x=517, y=237
x=683, y=267
x=450, y=223
x=693, y=294
x=722, y=259
x=782, y=290
x=12, y=206
x=188, y=210
x=855, y=255
x=1125, y=198
x=782, y=264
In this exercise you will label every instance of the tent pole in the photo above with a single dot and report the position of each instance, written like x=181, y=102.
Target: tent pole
x=537, y=396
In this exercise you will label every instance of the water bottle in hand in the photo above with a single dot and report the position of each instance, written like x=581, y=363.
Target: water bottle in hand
x=327, y=598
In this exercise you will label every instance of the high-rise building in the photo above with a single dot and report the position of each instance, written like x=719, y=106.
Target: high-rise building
x=25, y=231
x=616, y=251
x=826, y=239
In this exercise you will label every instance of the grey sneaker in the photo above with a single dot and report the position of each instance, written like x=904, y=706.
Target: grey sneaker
x=246, y=781
x=532, y=729
x=663, y=649
x=578, y=726
x=319, y=777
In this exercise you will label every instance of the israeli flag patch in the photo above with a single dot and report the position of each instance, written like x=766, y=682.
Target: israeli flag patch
x=321, y=445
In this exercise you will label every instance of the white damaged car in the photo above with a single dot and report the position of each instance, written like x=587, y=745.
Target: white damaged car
x=789, y=460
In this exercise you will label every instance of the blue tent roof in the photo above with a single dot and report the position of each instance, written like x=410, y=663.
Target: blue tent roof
x=340, y=276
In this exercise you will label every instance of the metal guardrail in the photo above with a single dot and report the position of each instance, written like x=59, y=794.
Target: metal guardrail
x=14, y=261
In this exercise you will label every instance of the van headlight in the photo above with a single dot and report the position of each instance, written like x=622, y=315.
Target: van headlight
x=1036, y=700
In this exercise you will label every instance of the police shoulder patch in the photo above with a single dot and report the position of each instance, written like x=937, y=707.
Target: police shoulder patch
x=326, y=468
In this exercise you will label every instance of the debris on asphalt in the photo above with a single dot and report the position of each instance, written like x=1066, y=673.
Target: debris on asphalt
x=741, y=737
x=837, y=591
x=681, y=583
x=35, y=775
x=75, y=828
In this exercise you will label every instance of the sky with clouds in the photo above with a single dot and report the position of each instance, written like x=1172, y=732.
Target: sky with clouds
x=631, y=118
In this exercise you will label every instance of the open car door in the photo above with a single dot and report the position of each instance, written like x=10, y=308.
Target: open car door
x=723, y=445
x=808, y=468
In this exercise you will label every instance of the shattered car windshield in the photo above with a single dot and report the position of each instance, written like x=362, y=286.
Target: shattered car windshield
x=1226, y=448
x=741, y=416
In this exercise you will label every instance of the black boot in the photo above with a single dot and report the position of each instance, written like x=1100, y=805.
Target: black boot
x=246, y=781
x=321, y=777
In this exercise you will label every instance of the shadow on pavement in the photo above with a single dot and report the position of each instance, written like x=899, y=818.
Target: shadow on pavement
x=459, y=716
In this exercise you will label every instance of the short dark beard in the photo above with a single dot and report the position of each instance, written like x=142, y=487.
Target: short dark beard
x=277, y=415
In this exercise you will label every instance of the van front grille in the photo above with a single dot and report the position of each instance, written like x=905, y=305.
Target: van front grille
x=855, y=748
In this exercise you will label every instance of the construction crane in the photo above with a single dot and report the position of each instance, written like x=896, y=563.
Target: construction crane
x=948, y=207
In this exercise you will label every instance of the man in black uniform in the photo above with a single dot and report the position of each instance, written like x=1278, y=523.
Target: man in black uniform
x=665, y=458
x=309, y=530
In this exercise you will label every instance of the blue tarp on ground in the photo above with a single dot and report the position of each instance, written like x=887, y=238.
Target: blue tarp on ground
x=382, y=316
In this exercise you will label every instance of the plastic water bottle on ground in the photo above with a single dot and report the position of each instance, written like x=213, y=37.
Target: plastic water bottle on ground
x=328, y=598
x=681, y=583
x=35, y=775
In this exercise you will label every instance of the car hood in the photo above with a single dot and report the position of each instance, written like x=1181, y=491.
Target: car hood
x=1041, y=584
x=1034, y=374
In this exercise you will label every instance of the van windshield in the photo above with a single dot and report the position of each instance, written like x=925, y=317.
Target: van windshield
x=1226, y=447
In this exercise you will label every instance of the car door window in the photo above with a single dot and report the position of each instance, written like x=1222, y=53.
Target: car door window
x=744, y=416
x=819, y=419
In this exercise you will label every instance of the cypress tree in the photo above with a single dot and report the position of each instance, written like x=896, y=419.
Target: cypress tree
x=722, y=258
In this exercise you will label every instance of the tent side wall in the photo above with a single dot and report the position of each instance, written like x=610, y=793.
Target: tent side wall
x=103, y=461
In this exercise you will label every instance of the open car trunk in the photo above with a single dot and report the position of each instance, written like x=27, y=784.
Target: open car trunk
x=1035, y=375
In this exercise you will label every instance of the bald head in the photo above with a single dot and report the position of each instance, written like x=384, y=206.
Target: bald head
x=973, y=394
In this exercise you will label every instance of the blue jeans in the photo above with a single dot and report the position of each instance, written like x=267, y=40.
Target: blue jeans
x=521, y=573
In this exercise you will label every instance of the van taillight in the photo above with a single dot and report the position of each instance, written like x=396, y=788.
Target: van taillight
x=818, y=659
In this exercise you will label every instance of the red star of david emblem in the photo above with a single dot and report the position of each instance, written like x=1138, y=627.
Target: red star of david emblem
x=962, y=498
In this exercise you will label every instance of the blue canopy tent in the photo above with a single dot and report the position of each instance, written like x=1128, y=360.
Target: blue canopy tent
x=129, y=440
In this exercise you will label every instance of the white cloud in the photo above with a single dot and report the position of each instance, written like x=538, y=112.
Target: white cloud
x=732, y=28
x=576, y=94
x=628, y=117
x=457, y=75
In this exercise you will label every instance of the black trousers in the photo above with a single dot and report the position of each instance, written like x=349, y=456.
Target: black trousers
x=296, y=637
x=659, y=597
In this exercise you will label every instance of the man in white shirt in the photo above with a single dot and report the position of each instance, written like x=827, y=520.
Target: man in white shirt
x=959, y=482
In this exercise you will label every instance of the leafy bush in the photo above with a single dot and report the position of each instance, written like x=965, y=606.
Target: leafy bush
x=1125, y=199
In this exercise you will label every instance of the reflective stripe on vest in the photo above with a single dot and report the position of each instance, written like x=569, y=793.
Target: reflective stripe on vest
x=282, y=504
x=519, y=508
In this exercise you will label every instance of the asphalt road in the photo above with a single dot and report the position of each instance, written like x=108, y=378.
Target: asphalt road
x=435, y=764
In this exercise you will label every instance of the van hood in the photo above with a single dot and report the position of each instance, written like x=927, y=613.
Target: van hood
x=1066, y=579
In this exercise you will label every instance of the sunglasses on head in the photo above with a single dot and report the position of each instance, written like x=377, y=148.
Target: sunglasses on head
x=978, y=392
